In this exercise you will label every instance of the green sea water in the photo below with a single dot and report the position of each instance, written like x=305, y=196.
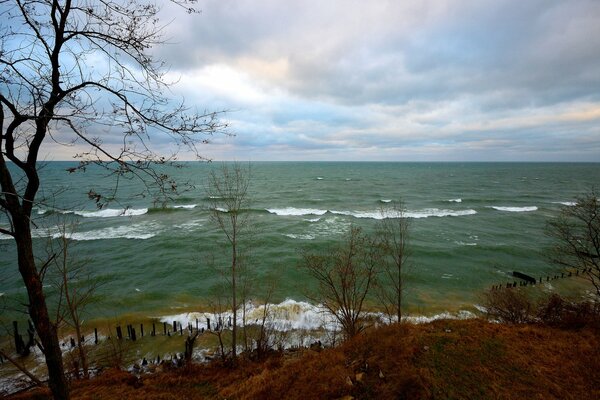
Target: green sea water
x=472, y=224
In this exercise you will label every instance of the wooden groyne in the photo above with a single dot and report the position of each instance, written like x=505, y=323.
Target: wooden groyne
x=528, y=280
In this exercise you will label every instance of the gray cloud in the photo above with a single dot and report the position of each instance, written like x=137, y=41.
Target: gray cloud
x=423, y=80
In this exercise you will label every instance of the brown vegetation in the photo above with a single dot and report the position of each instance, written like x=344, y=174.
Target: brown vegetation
x=444, y=359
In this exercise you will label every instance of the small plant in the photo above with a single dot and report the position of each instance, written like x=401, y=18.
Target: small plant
x=509, y=305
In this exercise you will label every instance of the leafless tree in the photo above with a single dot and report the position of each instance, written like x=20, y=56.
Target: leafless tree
x=576, y=234
x=76, y=288
x=345, y=275
x=48, y=93
x=392, y=240
x=227, y=190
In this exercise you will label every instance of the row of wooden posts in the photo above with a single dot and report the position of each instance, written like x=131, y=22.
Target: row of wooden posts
x=526, y=280
x=23, y=348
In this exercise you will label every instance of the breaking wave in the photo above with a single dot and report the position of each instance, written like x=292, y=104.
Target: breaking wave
x=296, y=211
x=292, y=315
x=515, y=209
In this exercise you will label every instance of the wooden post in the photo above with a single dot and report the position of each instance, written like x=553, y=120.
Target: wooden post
x=119, y=333
x=133, y=334
x=142, y=330
x=196, y=323
x=181, y=329
x=95, y=335
x=174, y=326
x=18, y=340
x=165, y=328
x=153, y=329
x=72, y=343
x=208, y=323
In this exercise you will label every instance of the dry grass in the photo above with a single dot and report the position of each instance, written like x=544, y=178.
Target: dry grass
x=445, y=359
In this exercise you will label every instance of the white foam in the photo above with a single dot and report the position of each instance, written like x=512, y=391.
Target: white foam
x=425, y=213
x=223, y=210
x=460, y=243
x=455, y=200
x=566, y=203
x=291, y=315
x=319, y=178
x=137, y=231
x=5, y=237
x=186, y=206
x=385, y=200
x=296, y=211
x=299, y=236
x=285, y=316
x=515, y=209
x=190, y=225
x=110, y=212
x=313, y=219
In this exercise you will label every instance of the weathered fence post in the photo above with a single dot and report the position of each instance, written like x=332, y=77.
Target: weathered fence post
x=95, y=335
x=18, y=341
x=142, y=330
x=133, y=334
x=165, y=328
x=119, y=333
x=208, y=323
x=153, y=329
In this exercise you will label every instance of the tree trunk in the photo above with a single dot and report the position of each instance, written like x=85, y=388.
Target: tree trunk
x=38, y=310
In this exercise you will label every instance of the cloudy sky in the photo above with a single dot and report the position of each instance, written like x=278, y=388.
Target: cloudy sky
x=411, y=80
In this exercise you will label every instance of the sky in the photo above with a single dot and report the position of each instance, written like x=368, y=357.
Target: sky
x=422, y=80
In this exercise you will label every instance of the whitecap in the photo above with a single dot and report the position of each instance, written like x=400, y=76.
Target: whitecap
x=186, y=206
x=313, y=219
x=319, y=178
x=460, y=243
x=137, y=231
x=296, y=211
x=111, y=212
x=455, y=200
x=425, y=213
x=385, y=200
x=515, y=209
x=137, y=290
x=223, y=210
x=299, y=236
x=566, y=203
x=190, y=225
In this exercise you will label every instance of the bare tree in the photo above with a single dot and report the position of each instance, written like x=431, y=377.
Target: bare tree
x=345, y=276
x=227, y=190
x=392, y=239
x=576, y=231
x=48, y=93
x=76, y=288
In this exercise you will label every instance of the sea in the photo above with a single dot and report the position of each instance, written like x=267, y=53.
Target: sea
x=470, y=226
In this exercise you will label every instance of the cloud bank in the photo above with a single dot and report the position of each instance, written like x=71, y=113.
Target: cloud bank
x=427, y=80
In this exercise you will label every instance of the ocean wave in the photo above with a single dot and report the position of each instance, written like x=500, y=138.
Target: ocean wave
x=455, y=200
x=515, y=209
x=291, y=211
x=112, y=212
x=313, y=219
x=385, y=200
x=299, y=236
x=136, y=231
x=566, y=203
x=425, y=213
x=291, y=315
x=186, y=206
